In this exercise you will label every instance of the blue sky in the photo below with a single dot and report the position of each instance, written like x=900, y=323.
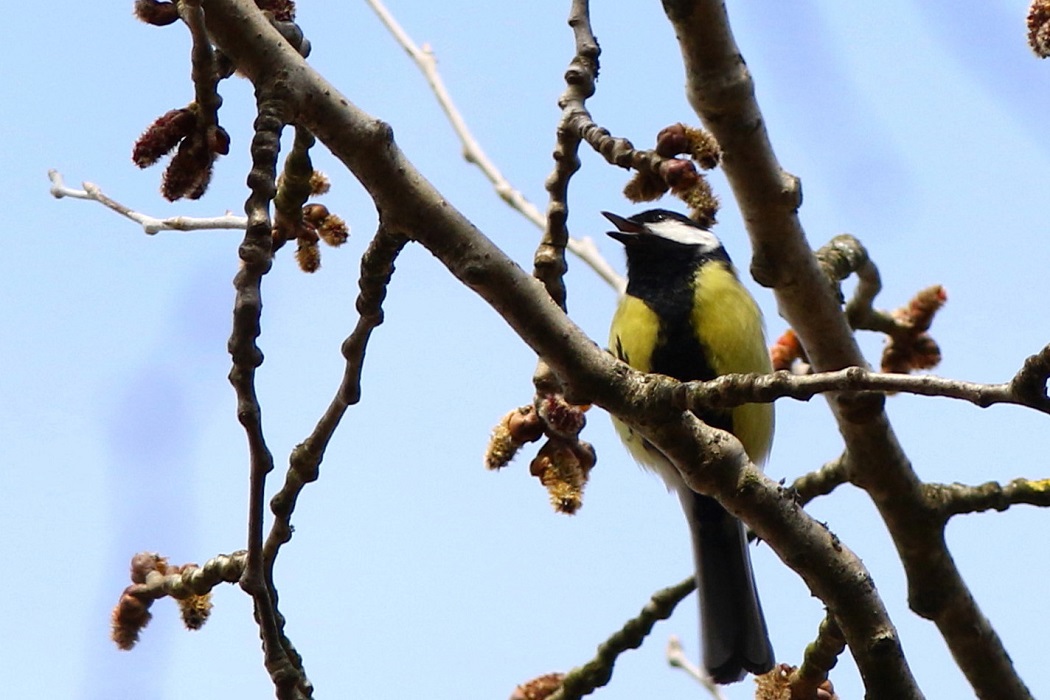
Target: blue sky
x=918, y=127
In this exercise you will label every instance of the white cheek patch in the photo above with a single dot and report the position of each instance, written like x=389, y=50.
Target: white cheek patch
x=685, y=234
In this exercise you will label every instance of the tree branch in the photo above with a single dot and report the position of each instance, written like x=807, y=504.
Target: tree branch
x=149, y=224
x=957, y=499
x=204, y=70
x=731, y=390
x=584, y=680
x=580, y=77
x=821, y=482
x=377, y=267
x=720, y=89
x=193, y=580
x=677, y=658
x=153, y=578
x=281, y=659
x=820, y=657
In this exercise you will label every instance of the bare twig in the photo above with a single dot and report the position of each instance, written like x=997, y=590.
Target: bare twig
x=549, y=265
x=736, y=389
x=294, y=187
x=580, y=77
x=281, y=659
x=149, y=224
x=222, y=568
x=594, y=674
x=377, y=266
x=820, y=657
x=821, y=482
x=956, y=499
x=677, y=658
x=842, y=256
x=911, y=346
x=582, y=248
x=204, y=70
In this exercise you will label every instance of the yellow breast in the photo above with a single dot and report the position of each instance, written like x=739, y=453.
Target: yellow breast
x=729, y=325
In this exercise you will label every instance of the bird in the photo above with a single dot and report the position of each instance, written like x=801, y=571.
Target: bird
x=685, y=314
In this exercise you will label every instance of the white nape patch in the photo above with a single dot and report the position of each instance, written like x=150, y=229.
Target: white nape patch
x=685, y=234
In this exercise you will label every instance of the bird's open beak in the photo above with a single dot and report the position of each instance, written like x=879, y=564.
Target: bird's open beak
x=626, y=229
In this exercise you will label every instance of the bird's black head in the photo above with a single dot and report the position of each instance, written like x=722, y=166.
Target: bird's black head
x=664, y=251
x=665, y=230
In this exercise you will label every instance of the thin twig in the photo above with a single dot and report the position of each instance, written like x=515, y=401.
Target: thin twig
x=222, y=568
x=583, y=248
x=549, y=261
x=736, y=389
x=149, y=224
x=677, y=659
x=281, y=659
x=153, y=577
x=377, y=266
x=594, y=674
x=822, y=481
x=957, y=499
x=820, y=657
x=204, y=72
x=842, y=256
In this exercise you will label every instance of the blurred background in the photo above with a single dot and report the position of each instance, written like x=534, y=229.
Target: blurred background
x=917, y=126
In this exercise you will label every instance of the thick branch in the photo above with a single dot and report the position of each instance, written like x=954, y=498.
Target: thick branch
x=720, y=89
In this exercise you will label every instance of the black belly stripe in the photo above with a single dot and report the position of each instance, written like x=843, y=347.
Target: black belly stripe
x=664, y=279
x=679, y=354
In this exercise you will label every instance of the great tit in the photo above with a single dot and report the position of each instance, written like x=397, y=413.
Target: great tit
x=686, y=315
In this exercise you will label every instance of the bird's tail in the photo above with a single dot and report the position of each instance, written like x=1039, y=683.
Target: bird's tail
x=733, y=628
